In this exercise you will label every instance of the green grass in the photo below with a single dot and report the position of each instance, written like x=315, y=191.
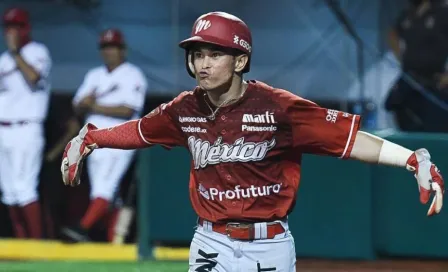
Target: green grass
x=23, y=266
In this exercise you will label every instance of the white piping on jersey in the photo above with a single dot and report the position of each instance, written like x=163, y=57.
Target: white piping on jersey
x=349, y=137
x=140, y=132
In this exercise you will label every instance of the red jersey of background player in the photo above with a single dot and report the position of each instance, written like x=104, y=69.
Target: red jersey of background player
x=246, y=158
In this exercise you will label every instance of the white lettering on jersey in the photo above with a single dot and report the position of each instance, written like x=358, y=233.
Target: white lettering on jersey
x=191, y=129
x=332, y=116
x=192, y=119
x=256, y=129
x=202, y=25
x=203, y=191
x=205, y=153
x=239, y=193
x=267, y=118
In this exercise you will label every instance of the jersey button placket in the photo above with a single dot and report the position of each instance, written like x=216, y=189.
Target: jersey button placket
x=224, y=119
x=228, y=178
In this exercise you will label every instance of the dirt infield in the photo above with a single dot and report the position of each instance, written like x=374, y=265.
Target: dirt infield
x=374, y=266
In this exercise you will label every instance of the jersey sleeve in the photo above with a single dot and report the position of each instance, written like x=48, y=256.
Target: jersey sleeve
x=321, y=131
x=159, y=127
x=134, y=92
x=87, y=87
x=41, y=61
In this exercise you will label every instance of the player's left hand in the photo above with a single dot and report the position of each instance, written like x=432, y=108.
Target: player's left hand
x=12, y=40
x=428, y=178
x=75, y=153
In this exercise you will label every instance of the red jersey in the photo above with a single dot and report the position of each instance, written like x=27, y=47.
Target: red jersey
x=246, y=162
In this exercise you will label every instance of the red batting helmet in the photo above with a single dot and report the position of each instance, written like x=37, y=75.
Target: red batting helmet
x=18, y=17
x=221, y=29
x=112, y=37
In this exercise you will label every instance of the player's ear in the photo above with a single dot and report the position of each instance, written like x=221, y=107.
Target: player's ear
x=191, y=64
x=241, y=62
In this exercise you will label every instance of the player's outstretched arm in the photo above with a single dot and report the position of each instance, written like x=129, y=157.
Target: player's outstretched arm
x=157, y=127
x=123, y=136
x=372, y=149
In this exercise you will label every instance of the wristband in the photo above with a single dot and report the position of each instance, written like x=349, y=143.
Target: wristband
x=394, y=155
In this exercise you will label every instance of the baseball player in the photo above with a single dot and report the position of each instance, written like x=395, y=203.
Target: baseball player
x=246, y=141
x=24, y=94
x=110, y=94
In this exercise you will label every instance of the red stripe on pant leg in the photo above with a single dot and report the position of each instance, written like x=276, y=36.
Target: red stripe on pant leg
x=32, y=215
x=97, y=209
x=17, y=221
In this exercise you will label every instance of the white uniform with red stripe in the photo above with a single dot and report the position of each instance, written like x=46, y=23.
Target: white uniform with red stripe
x=23, y=109
x=126, y=85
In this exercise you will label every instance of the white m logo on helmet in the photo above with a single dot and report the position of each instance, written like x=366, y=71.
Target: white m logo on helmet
x=109, y=35
x=202, y=25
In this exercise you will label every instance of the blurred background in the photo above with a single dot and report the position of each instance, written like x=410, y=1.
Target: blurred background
x=382, y=59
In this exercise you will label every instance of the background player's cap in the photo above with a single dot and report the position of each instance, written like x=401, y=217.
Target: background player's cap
x=111, y=37
x=221, y=29
x=16, y=16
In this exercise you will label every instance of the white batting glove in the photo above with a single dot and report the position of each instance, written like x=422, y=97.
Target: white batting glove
x=428, y=178
x=75, y=153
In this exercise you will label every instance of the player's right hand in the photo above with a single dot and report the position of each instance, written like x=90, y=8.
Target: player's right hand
x=429, y=180
x=75, y=153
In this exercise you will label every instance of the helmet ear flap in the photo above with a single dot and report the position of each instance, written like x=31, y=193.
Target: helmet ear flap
x=189, y=63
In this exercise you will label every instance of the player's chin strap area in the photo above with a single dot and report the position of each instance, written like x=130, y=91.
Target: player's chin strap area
x=245, y=231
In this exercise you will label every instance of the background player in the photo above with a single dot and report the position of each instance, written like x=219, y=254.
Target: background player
x=24, y=96
x=110, y=94
x=246, y=140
